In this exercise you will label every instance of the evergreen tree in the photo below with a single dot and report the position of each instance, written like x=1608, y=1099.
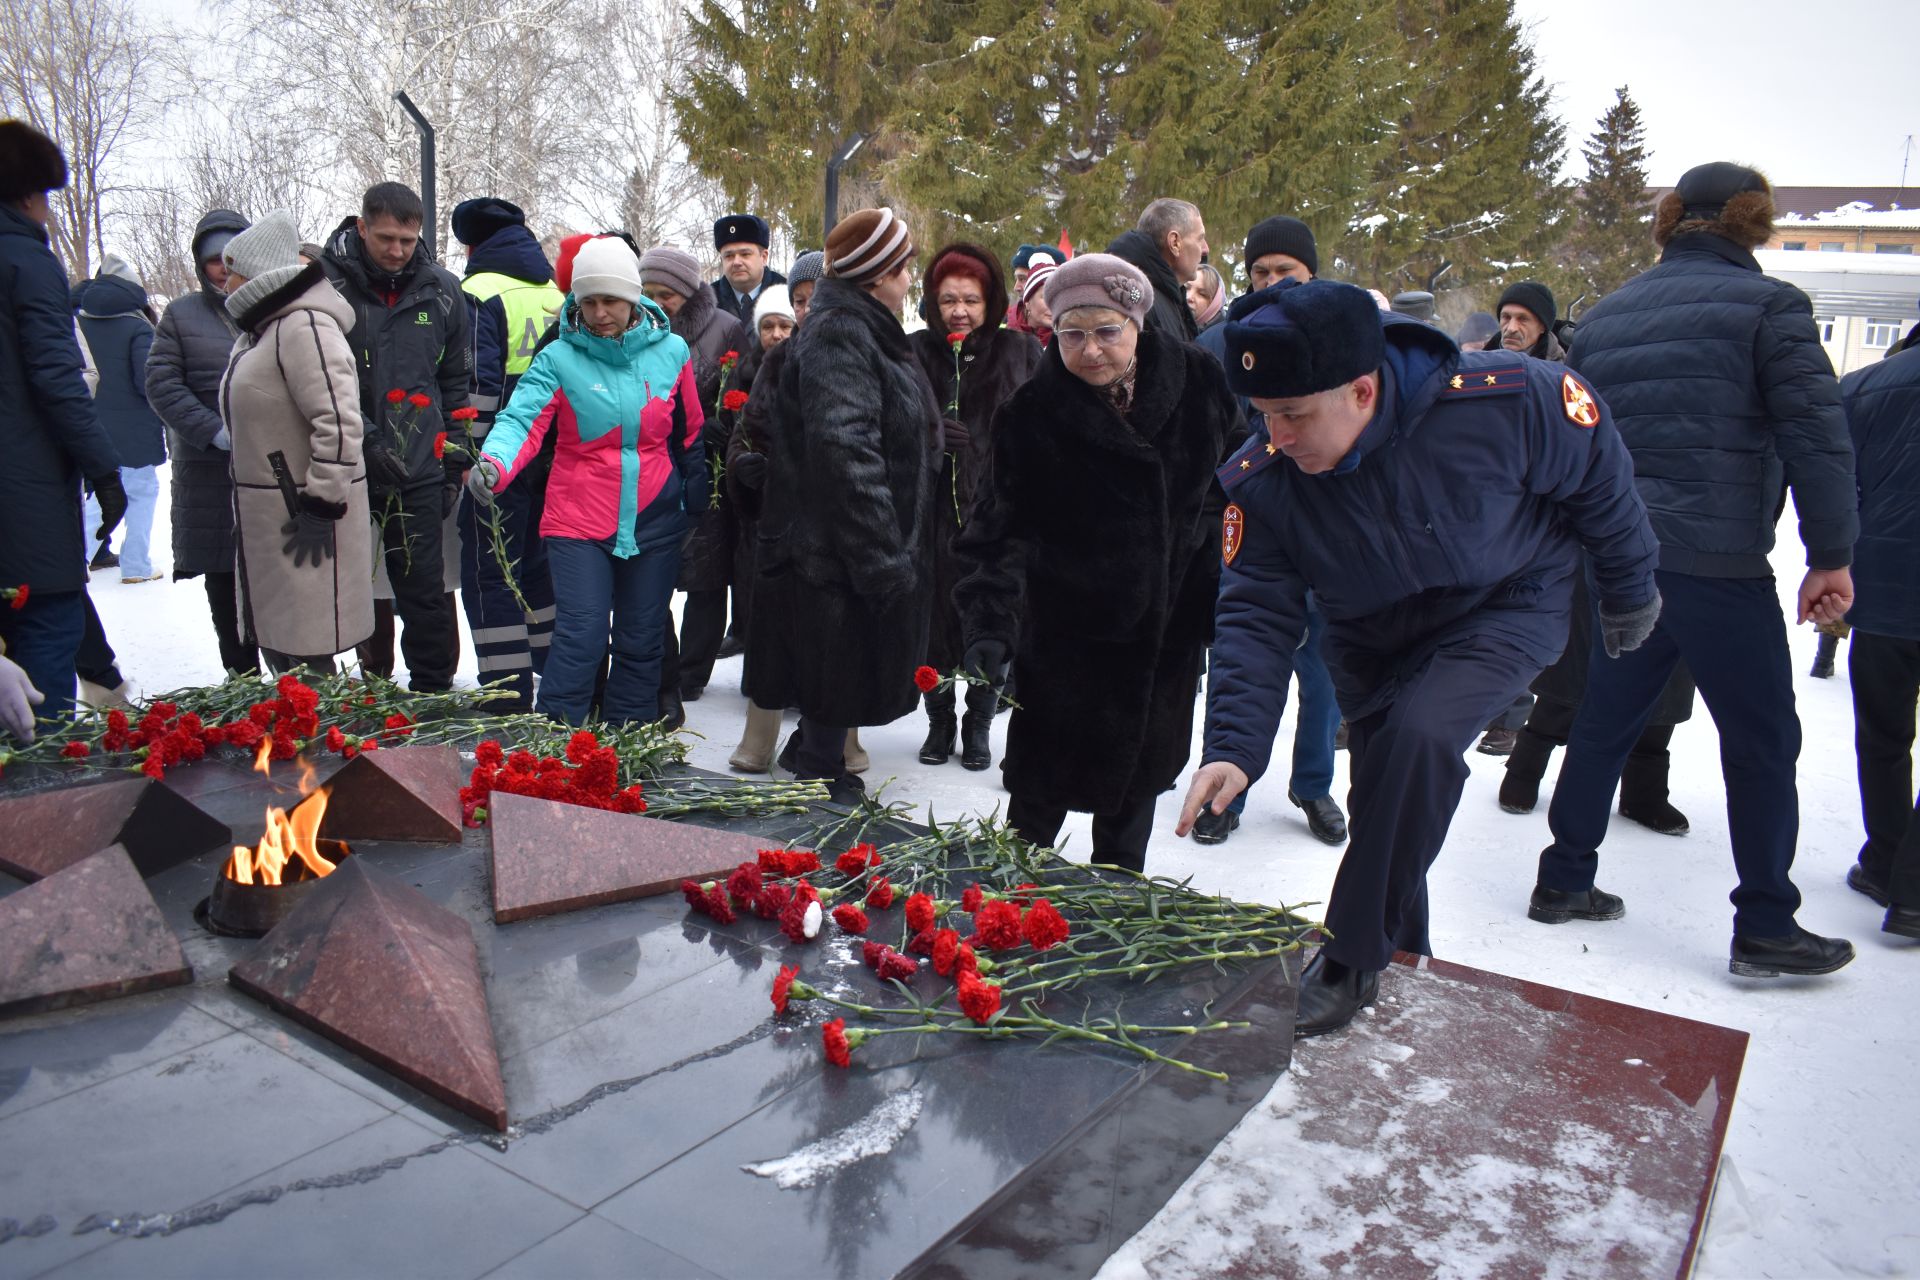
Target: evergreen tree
x=1466, y=193
x=1611, y=241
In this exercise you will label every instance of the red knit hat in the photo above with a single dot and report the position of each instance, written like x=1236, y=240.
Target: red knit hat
x=563, y=261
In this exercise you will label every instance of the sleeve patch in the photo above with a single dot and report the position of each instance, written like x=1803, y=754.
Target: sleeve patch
x=1579, y=403
x=1233, y=532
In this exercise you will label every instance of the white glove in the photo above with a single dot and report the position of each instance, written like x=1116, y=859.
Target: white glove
x=18, y=697
x=223, y=439
x=481, y=480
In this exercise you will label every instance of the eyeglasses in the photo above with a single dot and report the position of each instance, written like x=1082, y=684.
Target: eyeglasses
x=1107, y=335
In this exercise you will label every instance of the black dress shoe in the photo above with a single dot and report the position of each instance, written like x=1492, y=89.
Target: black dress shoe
x=1498, y=742
x=846, y=788
x=1861, y=880
x=104, y=559
x=1519, y=793
x=1554, y=906
x=789, y=757
x=1798, y=952
x=1324, y=819
x=692, y=692
x=1659, y=815
x=1904, y=921
x=731, y=646
x=1331, y=995
x=1214, y=828
x=1340, y=736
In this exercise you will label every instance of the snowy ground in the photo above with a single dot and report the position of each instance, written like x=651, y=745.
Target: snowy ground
x=1824, y=1148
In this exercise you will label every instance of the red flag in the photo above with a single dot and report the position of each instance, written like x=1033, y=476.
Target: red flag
x=1066, y=245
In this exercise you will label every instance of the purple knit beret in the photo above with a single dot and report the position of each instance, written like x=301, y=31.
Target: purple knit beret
x=1099, y=280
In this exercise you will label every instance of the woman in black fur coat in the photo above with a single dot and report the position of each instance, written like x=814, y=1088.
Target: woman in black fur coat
x=1093, y=560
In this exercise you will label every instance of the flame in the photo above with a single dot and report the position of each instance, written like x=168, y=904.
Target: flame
x=287, y=837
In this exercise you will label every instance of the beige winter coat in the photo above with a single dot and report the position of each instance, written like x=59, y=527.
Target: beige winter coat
x=291, y=387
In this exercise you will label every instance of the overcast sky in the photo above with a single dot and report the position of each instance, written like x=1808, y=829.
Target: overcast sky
x=1819, y=94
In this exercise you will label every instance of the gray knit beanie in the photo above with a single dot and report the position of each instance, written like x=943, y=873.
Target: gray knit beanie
x=118, y=267
x=269, y=244
x=675, y=268
x=807, y=268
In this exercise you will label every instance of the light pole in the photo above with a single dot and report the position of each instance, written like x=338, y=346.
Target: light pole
x=426, y=166
x=840, y=157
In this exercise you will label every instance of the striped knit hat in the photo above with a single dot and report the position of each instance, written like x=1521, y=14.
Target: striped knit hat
x=865, y=246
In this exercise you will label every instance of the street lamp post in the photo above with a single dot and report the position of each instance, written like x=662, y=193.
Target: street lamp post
x=426, y=166
x=840, y=157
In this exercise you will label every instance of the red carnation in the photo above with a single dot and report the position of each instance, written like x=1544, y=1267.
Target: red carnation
x=440, y=444
x=154, y=767
x=793, y=919
x=970, y=899
x=895, y=967
x=420, y=400
x=717, y=905
x=336, y=740
x=745, y=883
x=966, y=961
x=870, y=953
x=880, y=893
x=782, y=984
x=396, y=395
x=729, y=358
x=919, y=912
x=76, y=750
x=955, y=339
x=466, y=413
x=581, y=746
x=978, y=1000
x=998, y=924
x=399, y=725
x=839, y=1049
x=850, y=918
x=1042, y=926
x=489, y=753
x=946, y=952
x=696, y=896
x=734, y=401
x=20, y=596
x=926, y=679
x=922, y=943
x=771, y=901
x=857, y=859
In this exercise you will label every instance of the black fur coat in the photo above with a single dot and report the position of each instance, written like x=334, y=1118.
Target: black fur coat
x=1093, y=552
x=843, y=579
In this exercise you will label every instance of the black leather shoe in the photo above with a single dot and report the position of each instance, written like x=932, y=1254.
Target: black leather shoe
x=104, y=559
x=845, y=789
x=1861, y=880
x=1498, y=742
x=1214, y=828
x=976, y=745
x=692, y=692
x=1554, y=906
x=941, y=732
x=731, y=646
x=1658, y=816
x=1331, y=995
x=789, y=757
x=1324, y=819
x=1904, y=921
x=1340, y=737
x=1798, y=952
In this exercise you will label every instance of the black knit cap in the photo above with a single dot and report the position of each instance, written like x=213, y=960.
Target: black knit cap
x=1299, y=338
x=30, y=162
x=741, y=228
x=476, y=221
x=1535, y=297
x=1281, y=234
x=1706, y=188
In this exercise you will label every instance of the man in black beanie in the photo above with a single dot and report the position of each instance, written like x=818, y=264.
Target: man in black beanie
x=1526, y=314
x=1435, y=502
x=741, y=240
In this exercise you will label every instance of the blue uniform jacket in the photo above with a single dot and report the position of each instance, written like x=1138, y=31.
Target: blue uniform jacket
x=1456, y=519
x=510, y=251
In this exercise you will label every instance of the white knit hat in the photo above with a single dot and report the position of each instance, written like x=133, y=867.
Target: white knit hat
x=605, y=267
x=774, y=301
x=267, y=245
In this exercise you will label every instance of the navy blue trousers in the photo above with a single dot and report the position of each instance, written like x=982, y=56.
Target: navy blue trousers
x=1731, y=633
x=590, y=583
x=43, y=639
x=1408, y=768
x=509, y=643
x=1317, y=719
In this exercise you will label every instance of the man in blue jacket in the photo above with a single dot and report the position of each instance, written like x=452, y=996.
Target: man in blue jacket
x=1883, y=659
x=1725, y=399
x=49, y=434
x=1435, y=502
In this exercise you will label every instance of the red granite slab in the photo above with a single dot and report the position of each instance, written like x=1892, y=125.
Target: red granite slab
x=374, y=965
x=550, y=857
x=1499, y=1127
x=405, y=793
x=48, y=831
x=89, y=932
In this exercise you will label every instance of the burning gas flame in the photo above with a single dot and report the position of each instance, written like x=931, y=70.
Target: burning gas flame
x=286, y=838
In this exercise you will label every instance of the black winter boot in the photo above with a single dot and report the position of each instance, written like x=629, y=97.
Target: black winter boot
x=941, y=727
x=1643, y=795
x=976, y=727
x=1823, y=655
x=1526, y=766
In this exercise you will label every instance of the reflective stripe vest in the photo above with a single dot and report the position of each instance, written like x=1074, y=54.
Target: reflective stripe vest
x=529, y=309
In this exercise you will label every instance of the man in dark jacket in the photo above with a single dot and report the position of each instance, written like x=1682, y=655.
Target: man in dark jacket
x=49, y=434
x=741, y=240
x=511, y=299
x=1436, y=504
x=1883, y=411
x=1725, y=398
x=189, y=357
x=411, y=334
x=116, y=322
x=1169, y=245
x=1282, y=248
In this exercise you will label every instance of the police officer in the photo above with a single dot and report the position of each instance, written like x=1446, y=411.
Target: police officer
x=1435, y=502
x=741, y=240
x=511, y=298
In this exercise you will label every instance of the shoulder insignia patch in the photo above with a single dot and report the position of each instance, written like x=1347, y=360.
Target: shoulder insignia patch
x=1581, y=409
x=1469, y=382
x=1233, y=532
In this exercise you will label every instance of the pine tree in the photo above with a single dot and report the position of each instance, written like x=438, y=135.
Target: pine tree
x=1611, y=242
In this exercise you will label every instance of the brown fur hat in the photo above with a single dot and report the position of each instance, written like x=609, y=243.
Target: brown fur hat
x=1723, y=199
x=30, y=162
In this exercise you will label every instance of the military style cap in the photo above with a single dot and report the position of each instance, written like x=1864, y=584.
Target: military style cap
x=741, y=228
x=1299, y=338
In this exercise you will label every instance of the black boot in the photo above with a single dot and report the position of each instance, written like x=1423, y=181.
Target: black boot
x=1557, y=906
x=1643, y=794
x=1801, y=953
x=941, y=727
x=1520, y=789
x=976, y=727
x=1823, y=656
x=1331, y=995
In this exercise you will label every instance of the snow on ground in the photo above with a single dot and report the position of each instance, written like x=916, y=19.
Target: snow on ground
x=1824, y=1146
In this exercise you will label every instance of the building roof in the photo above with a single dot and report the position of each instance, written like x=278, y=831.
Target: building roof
x=1880, y=286
x=1805, y=202
x=1854, y=217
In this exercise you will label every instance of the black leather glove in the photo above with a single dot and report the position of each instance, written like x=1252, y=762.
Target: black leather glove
x=112, y=497
x=750, y=470
x=453, y=478
x=988, y=659
x=310, y=534
x=386, y=469
x=1625, y=630
x=955, y=435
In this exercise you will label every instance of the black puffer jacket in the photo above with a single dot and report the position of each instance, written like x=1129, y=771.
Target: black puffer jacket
x=841, y=596
x=1883, y=411
x=113, y=316
x=1721, y=391
x=49, y=435
x=707, y=562
x=421, y=343
x=189, y=357
x=1170, y=315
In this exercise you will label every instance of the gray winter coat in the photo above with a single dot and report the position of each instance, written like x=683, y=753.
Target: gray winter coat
x=707, y=562
x=190, y=352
